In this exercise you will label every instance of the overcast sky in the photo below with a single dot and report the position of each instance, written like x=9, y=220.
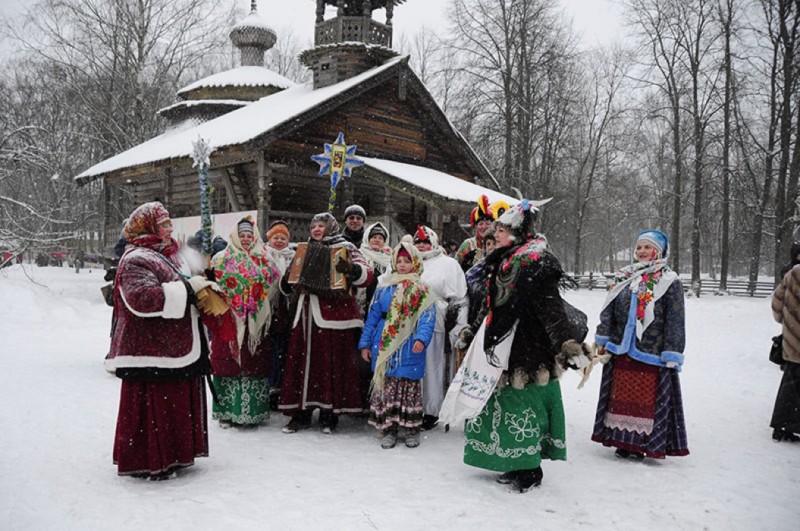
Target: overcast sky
x=597, y=20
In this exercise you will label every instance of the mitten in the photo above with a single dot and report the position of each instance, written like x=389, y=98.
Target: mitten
x=573, y=355
x=353, y=273
x=342, y=265
x=199, y=282
x=464, y=338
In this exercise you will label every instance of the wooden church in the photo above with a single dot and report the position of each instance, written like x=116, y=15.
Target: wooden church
x=264, y=129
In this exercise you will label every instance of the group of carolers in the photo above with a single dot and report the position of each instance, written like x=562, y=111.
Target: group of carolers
x=343, y=323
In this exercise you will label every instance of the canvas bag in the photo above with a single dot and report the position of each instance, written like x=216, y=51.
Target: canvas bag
x=476, y=379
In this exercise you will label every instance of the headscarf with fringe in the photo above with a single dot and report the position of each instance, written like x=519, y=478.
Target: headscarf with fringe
x=142, y=227
x=249, y=280
x=410, y=299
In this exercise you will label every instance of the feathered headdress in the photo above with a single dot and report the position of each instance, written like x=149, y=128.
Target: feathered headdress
x=482, y=211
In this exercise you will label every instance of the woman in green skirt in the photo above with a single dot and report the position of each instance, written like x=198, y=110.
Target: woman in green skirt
x=507, y=386
x=249, y=280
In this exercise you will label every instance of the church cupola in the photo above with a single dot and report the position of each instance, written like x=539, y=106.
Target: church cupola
x=253, y=37
x=351, y=42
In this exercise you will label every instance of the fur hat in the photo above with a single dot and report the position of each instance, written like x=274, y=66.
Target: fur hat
x=356, y=210
x=657, y=238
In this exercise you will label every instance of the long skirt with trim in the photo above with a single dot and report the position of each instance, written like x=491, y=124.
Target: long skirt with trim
x=321, y=371
x=161, y=426
x=517, y=429
x=400, y=403
x=242, y=399
x=786, y=414
x=640, y=409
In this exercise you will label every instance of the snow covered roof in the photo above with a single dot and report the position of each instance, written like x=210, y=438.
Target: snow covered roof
x=195, y=103
x=437, y=182
x=242, y=76
x=235, y=127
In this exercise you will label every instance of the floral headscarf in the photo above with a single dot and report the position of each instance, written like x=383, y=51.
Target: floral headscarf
x=248, y=278
x=141, y=229
x=410, y=299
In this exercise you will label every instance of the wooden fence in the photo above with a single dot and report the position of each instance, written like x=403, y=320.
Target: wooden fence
x=708, y=286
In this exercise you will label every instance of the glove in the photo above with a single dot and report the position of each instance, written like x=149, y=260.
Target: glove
x=464, y=339
x=342, y=265
x=573, y=355
x=199, y=282
x=353, y=273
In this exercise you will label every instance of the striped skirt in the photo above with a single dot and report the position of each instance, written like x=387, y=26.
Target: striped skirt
x=640, y=409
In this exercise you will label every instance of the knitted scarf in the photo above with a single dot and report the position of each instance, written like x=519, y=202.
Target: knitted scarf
x=649, y=281
x=409, y=300
x=248, y=279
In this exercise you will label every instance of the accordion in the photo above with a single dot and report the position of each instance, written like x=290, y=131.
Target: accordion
x=321, y=274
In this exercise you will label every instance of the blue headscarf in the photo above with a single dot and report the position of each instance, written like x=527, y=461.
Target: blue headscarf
x=657, y=238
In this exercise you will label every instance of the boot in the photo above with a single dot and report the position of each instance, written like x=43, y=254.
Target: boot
x=300, y=421
x=429, y=422
x=412, y=437
x=507, y=477
x=527, y=479
x=389, y=437
x=328, y=420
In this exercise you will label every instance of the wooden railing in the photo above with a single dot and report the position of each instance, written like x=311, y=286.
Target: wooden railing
x=738, y=287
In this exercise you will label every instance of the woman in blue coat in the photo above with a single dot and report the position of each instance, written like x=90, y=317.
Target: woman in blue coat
x=642, y=329
x=398, y=329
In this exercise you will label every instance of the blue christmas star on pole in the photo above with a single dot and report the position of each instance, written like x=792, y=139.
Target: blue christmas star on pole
x=338, y=161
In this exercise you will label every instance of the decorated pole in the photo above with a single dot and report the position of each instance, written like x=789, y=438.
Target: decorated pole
x=338, y=162
x=201, y=150
x=208, y=300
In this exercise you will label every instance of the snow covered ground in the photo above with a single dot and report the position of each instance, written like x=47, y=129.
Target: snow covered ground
x=59, y=408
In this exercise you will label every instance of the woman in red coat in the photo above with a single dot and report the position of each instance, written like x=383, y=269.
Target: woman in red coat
x=321, y=363
x=159, y=351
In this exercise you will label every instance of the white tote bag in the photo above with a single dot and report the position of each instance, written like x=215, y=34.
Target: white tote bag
x=475, y=380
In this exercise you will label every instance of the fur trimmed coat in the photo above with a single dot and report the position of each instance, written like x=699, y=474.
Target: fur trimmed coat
x=786, y=310
x=154, y=324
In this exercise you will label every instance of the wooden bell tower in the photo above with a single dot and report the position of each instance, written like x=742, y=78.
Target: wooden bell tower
x=351, y=42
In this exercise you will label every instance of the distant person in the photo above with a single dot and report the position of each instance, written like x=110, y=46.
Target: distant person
x=642, y=330
x=158, y=349
x=354, y=218
x=396, y=333
x=786, y=413
x=249, y=280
